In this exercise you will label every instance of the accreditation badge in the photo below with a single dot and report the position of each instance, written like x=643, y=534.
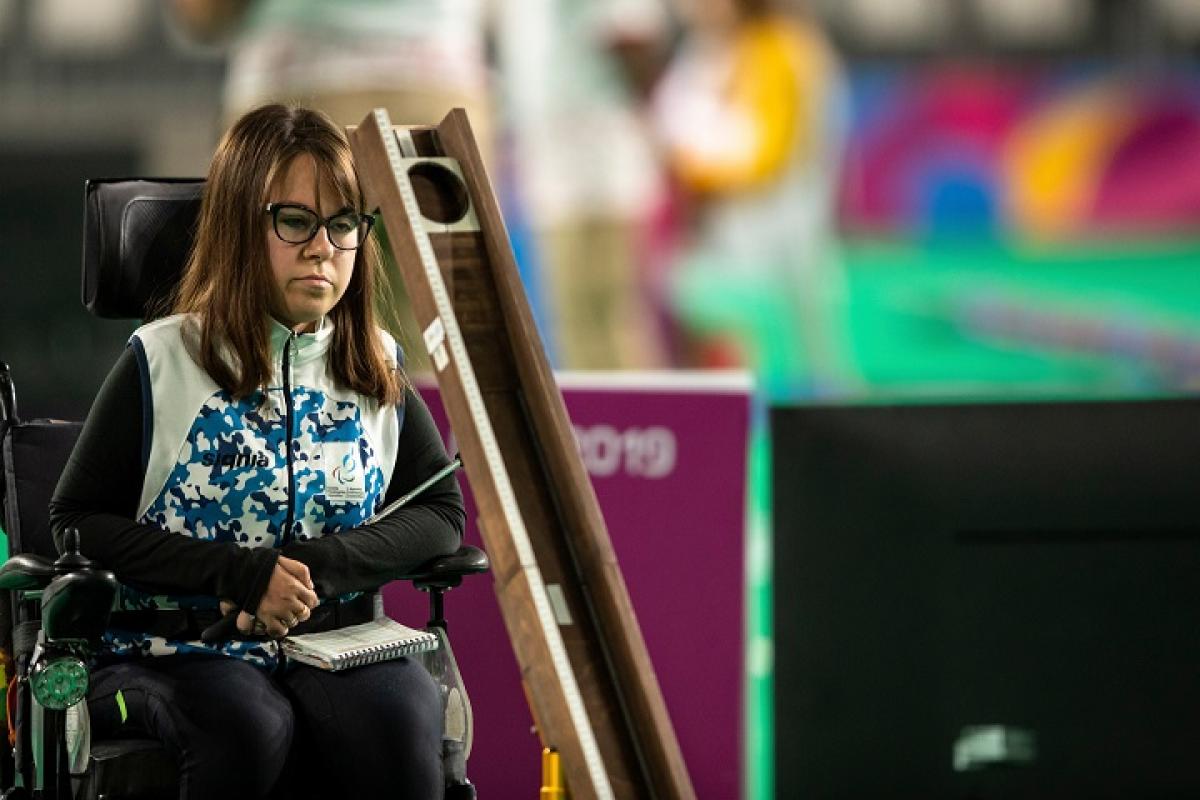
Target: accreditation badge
x=345, y=475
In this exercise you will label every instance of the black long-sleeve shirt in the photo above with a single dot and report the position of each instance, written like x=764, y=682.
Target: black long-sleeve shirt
x=99, y=490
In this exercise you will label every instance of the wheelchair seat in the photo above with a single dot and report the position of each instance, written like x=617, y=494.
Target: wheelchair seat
x=137, y=233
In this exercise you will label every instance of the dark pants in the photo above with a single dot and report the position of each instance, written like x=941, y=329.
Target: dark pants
x=373, y=731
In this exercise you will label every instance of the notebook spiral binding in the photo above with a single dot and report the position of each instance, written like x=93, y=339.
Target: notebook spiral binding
x=380, y=652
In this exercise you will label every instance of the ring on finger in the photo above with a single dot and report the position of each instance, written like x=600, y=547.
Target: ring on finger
x=259, y=628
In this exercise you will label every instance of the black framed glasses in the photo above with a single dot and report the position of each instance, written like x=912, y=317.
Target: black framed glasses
x=297, y=224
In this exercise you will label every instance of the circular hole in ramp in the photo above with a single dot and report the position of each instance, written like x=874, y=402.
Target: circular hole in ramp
x=441, y=194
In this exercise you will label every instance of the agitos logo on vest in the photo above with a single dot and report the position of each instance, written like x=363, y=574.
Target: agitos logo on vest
x=235, y=460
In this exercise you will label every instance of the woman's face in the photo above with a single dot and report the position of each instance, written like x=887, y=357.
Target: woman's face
x=307, y=279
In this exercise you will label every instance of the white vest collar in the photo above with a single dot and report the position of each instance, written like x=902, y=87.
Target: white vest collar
x=307, y=346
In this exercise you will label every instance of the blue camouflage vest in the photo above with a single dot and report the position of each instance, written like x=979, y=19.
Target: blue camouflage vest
x=299, y=459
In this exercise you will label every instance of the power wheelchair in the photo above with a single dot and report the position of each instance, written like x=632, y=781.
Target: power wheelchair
x=54, y=607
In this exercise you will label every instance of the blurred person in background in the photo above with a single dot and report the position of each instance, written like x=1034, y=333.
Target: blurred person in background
x=416, y=58
x=749, y=116
x=585, y=170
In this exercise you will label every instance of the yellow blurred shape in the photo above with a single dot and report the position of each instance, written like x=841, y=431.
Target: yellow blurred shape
x=780, y=71
x=1055, y=161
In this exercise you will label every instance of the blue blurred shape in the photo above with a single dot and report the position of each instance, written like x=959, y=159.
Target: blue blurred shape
x=958, y=199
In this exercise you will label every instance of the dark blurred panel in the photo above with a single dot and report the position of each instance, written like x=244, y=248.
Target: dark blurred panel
x=59, y=352
x=940, y=568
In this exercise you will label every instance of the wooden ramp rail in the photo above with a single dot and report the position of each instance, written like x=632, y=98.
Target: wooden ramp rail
x=587, y=674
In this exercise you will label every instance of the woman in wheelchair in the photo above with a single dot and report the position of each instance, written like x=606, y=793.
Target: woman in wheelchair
x=230, y=463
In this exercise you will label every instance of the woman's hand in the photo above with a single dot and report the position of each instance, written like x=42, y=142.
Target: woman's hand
x=245, y=622
x=288, y=601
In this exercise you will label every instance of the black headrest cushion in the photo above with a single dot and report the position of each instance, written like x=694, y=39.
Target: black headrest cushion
x=136, y=237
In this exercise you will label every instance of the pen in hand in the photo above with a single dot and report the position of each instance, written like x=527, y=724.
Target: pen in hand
x=454, y=464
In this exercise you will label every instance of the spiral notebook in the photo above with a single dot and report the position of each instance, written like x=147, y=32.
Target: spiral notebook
x=353, y=646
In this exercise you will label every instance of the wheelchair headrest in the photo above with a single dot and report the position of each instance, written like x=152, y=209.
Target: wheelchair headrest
x=136, y=236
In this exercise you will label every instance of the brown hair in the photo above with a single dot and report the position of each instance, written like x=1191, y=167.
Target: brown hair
x=226, y=282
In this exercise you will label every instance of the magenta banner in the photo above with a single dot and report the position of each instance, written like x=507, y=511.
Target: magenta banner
x=667, y=457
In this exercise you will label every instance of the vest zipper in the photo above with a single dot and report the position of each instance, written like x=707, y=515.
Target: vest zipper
x=287, y=395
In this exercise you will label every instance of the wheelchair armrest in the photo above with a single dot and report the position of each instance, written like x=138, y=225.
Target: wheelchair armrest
x=76, y=593
x=26, y=572
x=446, y=572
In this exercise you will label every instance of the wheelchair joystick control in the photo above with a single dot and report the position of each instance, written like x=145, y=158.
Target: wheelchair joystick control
x=72, y=560
x=77, y=602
